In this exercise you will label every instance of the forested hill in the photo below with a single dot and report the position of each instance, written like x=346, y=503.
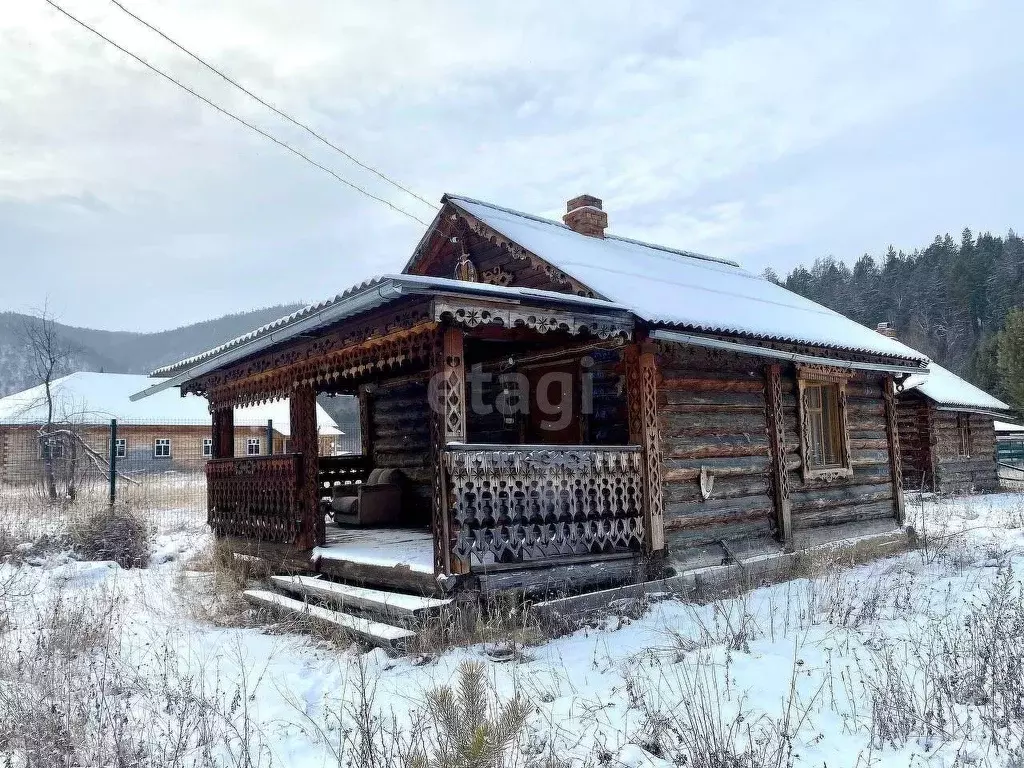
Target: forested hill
x=121, y=351
x=949, y=300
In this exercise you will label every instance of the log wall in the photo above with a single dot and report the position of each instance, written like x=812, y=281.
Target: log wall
x=711, y=413
x=860, y=499
x=399, y=422
x=961, y=474
x=607, y=424
x=916, y=442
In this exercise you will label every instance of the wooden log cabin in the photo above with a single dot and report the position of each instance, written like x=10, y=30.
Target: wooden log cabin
x=551, y=406
x=947, y=434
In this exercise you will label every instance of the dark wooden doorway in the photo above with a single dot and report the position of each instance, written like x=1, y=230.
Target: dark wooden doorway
x=554, y=417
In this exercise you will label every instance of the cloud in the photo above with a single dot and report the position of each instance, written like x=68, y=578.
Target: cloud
x=770, y=134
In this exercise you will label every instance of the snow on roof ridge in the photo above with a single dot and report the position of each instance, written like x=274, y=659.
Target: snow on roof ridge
x=620, y=238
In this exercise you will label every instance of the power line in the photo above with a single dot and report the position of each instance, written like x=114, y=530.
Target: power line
x=235, y=117
x=271, y=107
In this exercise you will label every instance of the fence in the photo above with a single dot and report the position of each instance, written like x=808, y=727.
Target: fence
x=50, y=473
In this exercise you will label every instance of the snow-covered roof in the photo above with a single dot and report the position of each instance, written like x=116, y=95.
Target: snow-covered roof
x=682, y=289
x=659, y=285
x=367, y=295
x=1005, y=426
x=95, y=398
x=948, y=390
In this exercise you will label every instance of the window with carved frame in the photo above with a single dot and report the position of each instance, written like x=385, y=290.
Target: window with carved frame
x=824, y=430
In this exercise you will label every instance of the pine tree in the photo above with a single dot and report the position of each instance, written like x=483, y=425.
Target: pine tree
x=1011, y=357
x=949, y=300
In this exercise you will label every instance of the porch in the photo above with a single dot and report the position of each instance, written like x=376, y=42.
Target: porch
x=515, y=440
x=511, y=512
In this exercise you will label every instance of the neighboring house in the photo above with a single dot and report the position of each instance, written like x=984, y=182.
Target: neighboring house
x=567, y=408
x=947, y=434
x=167, y=432
x=1010, y=443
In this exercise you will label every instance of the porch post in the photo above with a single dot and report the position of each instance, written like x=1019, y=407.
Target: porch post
x=895, y=460
x=777, y=447
x=642, y=401
x=454, y=379
x=448, y=424
x=365, y=422
x=223, y=433
x=302, y=411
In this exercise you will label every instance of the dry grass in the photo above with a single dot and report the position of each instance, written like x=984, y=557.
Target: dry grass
x=501, y=622
x=116, y=533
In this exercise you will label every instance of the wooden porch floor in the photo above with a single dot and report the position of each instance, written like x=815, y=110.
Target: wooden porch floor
x=411, y=548
x=388, y=558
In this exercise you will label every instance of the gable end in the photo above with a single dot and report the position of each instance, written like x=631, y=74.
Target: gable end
x=497, y=259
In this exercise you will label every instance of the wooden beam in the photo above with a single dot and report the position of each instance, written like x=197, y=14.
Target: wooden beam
x=453, y=387
x=775, y=422
x=302, y=412
x=895, y=461
x=365, y=422
x=642, y=402
x=447, y=424
x=223, y=433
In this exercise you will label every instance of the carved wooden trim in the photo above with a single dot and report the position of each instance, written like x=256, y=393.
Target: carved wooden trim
x=519, y=253
x=642, y=406
x=357, y=348
x=477, y=314
x=255, y=497
x=305, y=440
x=775, y=423
x=528, y=503
x=441, y=524
x=497, y=276
x=453, y=381
x=895, y=459
x=809, y=375
x=823, y=373
x=360, y=361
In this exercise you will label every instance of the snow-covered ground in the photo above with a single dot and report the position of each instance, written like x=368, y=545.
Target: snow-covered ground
x=911, y=660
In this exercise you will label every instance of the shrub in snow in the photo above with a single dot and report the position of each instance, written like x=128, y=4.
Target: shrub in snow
x=112, y=533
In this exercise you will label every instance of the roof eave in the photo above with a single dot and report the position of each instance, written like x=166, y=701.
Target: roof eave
x=329, y=314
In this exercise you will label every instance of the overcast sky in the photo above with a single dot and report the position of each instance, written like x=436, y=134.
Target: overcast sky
x=769, y=135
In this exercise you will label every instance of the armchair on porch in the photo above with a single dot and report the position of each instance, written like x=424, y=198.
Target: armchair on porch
x=378, y=501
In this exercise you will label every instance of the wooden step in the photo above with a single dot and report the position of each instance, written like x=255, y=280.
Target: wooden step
x=376, y=601
x=375, y=632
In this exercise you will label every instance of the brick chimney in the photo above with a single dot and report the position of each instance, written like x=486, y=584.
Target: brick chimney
x=584, y=215
x=887, y=329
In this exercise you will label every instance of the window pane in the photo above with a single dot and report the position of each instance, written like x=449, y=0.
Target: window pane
x=824, y=425
x=830, y=412
x=813, y=397
x=815, y=439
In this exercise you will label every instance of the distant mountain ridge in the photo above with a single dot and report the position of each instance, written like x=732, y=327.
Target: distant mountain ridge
x=124, y=351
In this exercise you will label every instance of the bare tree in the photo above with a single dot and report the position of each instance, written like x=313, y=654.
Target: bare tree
x=49, y=358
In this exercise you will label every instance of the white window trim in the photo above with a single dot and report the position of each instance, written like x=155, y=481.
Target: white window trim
x=207, y=449
x=43, y=441
x=159, y=443
x=120, y=447
x=253, y=441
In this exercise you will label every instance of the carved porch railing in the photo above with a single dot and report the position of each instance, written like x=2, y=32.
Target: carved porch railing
x=521, y=503
x=256, y=497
